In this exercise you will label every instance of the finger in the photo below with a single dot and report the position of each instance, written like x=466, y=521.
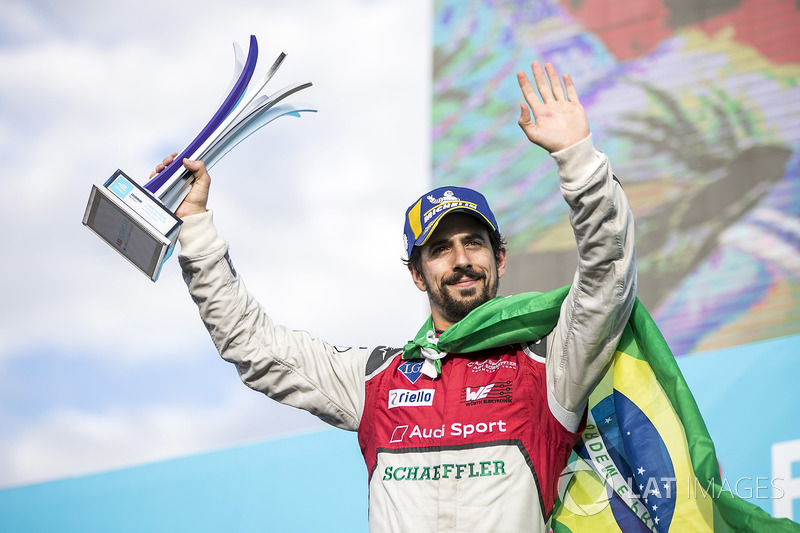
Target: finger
x=527, y=89
x=572, y=92
x=164, y=163
x=555, y=82
x=541, y=82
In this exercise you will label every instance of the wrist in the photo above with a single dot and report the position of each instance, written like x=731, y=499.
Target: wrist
x=184, y=211
x=197, y=234
x=576, y=162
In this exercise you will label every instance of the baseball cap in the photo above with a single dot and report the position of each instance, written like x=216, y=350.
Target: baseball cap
x=424, y=215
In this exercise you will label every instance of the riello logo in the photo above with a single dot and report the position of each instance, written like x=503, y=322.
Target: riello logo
x=410, y=398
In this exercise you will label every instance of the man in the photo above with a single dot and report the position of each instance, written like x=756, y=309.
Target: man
x=472, y=440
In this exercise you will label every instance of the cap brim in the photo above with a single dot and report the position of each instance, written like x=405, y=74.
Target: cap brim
x=428, y=231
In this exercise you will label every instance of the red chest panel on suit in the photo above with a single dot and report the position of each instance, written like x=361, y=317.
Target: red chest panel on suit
x=483, y=405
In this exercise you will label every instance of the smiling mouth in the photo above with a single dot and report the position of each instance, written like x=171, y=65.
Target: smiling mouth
x=464, y=279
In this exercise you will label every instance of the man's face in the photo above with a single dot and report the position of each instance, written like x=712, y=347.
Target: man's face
x=459, y=268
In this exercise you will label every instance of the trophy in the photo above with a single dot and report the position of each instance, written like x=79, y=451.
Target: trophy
x=139, y=220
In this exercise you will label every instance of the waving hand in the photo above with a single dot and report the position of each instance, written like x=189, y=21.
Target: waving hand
x=559, y=120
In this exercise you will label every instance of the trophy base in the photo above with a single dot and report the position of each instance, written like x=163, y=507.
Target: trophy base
x=133, y=222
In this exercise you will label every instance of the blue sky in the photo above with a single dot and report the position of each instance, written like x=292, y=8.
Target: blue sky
x=99, y=367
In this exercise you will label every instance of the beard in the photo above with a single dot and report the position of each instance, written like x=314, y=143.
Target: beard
x=455, y=303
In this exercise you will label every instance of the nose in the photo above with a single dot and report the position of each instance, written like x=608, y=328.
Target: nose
x=460, y=257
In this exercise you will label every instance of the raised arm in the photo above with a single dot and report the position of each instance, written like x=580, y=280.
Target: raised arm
x=600, y=300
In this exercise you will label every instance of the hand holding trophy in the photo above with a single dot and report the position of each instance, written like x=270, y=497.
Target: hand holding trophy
x=139, y=221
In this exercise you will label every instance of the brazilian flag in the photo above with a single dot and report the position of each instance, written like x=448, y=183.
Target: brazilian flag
x=646, y=461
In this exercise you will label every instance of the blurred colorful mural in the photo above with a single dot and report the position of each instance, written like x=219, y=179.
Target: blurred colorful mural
x=697, y=105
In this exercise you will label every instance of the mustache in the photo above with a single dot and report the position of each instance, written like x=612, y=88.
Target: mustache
x=461, y=273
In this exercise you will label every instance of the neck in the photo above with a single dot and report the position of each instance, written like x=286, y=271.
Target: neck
x=440, y=323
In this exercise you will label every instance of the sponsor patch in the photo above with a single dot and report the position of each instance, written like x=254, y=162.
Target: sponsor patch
x=491, y=365
x=411, y=398
x=445, y=205
x=448, y=196
x=412, y=370
x=456, y=429
x=444, y=471
x=398, y=434
x=499, y=392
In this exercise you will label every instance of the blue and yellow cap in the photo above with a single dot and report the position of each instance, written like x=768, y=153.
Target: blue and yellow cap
x=424, y=215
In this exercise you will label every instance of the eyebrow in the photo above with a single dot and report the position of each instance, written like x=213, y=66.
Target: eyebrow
x=465, y=238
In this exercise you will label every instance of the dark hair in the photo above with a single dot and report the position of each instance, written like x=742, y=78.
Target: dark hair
x=498, y=244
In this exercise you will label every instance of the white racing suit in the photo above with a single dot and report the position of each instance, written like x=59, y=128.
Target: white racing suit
x=479, y=448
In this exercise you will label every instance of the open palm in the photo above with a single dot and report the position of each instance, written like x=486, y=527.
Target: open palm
x=559, y=120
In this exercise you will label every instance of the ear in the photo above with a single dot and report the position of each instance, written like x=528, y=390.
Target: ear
x=501, y=262
x=419, y=281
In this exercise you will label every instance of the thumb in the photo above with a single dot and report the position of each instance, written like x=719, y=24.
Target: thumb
x=198, y=169
x=524, y=116
x=528, y=126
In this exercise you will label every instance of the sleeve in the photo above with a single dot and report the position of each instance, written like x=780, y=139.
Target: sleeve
x=603, y=291
x=289, y=366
